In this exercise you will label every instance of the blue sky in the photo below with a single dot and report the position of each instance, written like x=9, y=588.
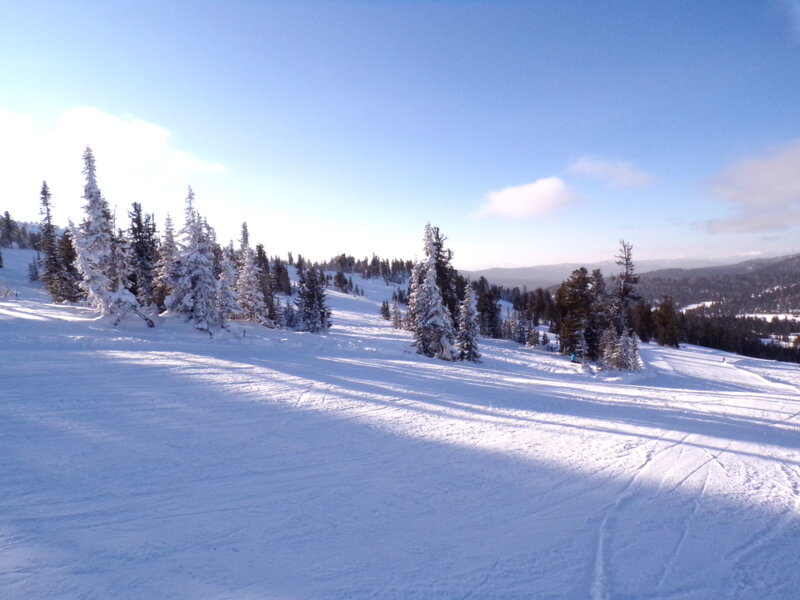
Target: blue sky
x=529, y=132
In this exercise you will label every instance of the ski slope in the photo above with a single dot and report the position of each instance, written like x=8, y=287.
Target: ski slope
x=156, y=463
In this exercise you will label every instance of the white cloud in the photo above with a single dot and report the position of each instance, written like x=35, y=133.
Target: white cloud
x=541, y=197
x=765, y=191
x=136, y=161
x=619, y=173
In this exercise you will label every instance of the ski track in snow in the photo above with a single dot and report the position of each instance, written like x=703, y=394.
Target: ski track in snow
x=141, y=463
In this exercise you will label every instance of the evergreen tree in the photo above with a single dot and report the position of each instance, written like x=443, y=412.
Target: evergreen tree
x=667, y=322
x=446, y=276
x=122, y=299
x=195, y=289
x=625, y=293
x=397, y=317
x=144, y=254
x=313, y=314
x=467, y=335
x=611, y=350
x=165, y=266
x=52, y=274
x=248, y=284
x=630, y=352
x=33, y=269
x=93, y=242
x=432, y=328
x=70, y=277
x=8, y=230
x=266, y=283
x=384, y=310
x=226, y=293
x=642, y=320
x=574, y=300
x=488, y=306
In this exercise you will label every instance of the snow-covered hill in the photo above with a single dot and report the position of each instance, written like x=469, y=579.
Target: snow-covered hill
x=156, y=463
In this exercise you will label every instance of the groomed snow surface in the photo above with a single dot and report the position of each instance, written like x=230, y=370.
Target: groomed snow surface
x=160, y=463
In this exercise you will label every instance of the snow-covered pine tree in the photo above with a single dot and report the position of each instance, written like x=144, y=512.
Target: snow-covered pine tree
x=610, y=350
x=248, y=284
x=446, y=276
x=467, y=335
x=313, y=314
x=413, y=290
x=165, y=266
x=93, y=240
x=122, y=299
x=226, y=293
x=629, y=347
x=433, y=329
x=195, y=289
x=397, y=317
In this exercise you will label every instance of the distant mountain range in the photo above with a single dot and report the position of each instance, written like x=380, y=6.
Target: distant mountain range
x=764, y=285
x=546, y=276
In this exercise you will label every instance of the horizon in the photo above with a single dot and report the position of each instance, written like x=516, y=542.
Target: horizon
x=530, y=135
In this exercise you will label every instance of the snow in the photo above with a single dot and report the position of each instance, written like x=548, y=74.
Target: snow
x=706, y=304
x=159, y=463
x=771, y=316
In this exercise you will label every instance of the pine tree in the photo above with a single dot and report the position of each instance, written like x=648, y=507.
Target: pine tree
x=7, y=230
x=490, y=320
x=267, y=284
x=33, y=269
x=667, y=321
x=467, y=336
x=52, y=272
x=248, y=284
x=574, y=300
x=195, y=289
x=630, y=352
x=313, y=314
x=433, y=329
x=397, y=317
x=122, y=299
x=70, y=277
x=93, y=241
x=226, y=294
x=165, y=266
x=144, y=250
x=439, y=258
x=611, y=351
x=385, y=311
x=625, y=294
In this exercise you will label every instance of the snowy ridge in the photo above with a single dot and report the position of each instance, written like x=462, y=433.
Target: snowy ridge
x=155, y=463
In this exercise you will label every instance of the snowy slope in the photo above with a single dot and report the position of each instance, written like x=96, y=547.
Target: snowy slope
x=158, y=463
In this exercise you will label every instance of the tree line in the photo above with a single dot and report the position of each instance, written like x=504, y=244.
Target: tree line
x=134, y=271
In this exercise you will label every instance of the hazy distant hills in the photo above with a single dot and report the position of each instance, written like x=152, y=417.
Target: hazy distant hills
x=549, y=275
x=768, y=285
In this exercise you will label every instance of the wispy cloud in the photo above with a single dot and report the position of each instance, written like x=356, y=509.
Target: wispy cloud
x=540, y=197
x=618, y=173
x=765, y=190
x=136, y=160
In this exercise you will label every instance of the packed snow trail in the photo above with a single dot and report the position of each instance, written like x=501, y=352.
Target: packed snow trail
x=158, y=463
